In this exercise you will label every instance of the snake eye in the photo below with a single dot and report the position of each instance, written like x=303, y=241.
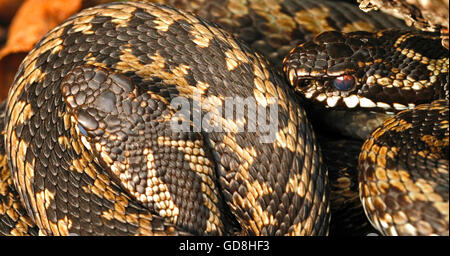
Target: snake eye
x=344, y=83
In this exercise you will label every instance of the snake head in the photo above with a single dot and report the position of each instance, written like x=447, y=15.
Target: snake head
x=390, y=70
x=94, y=98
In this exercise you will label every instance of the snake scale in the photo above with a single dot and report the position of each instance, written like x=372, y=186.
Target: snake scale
x=89, y=142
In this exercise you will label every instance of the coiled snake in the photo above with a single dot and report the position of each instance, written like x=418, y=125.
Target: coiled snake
x=90, y=138
x=403, y=167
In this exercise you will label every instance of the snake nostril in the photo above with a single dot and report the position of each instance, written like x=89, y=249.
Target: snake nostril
x=344, y=83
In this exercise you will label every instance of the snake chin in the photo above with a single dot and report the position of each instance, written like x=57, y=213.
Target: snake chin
x=350, y=102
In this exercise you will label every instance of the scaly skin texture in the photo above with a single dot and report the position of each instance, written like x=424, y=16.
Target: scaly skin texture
x=66, y=189
x=404, y=163
x=404, y=178
x=271, y=188
x=426, y=15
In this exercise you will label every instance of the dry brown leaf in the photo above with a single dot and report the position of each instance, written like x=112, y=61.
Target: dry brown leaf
x=8, y=8
x=2, y=35
x=31, y=22
x=8, y=68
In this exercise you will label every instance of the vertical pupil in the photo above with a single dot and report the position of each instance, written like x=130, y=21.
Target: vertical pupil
x=344, y=83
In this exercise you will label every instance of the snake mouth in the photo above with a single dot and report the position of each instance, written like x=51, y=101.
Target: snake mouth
x=356, y=102
x=337, y=92
x=319, y=91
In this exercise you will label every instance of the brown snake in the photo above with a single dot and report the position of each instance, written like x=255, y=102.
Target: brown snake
x=80, y=166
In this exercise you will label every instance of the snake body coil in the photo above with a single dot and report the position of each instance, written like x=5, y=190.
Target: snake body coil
x=403, y=167
x=92, y=150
